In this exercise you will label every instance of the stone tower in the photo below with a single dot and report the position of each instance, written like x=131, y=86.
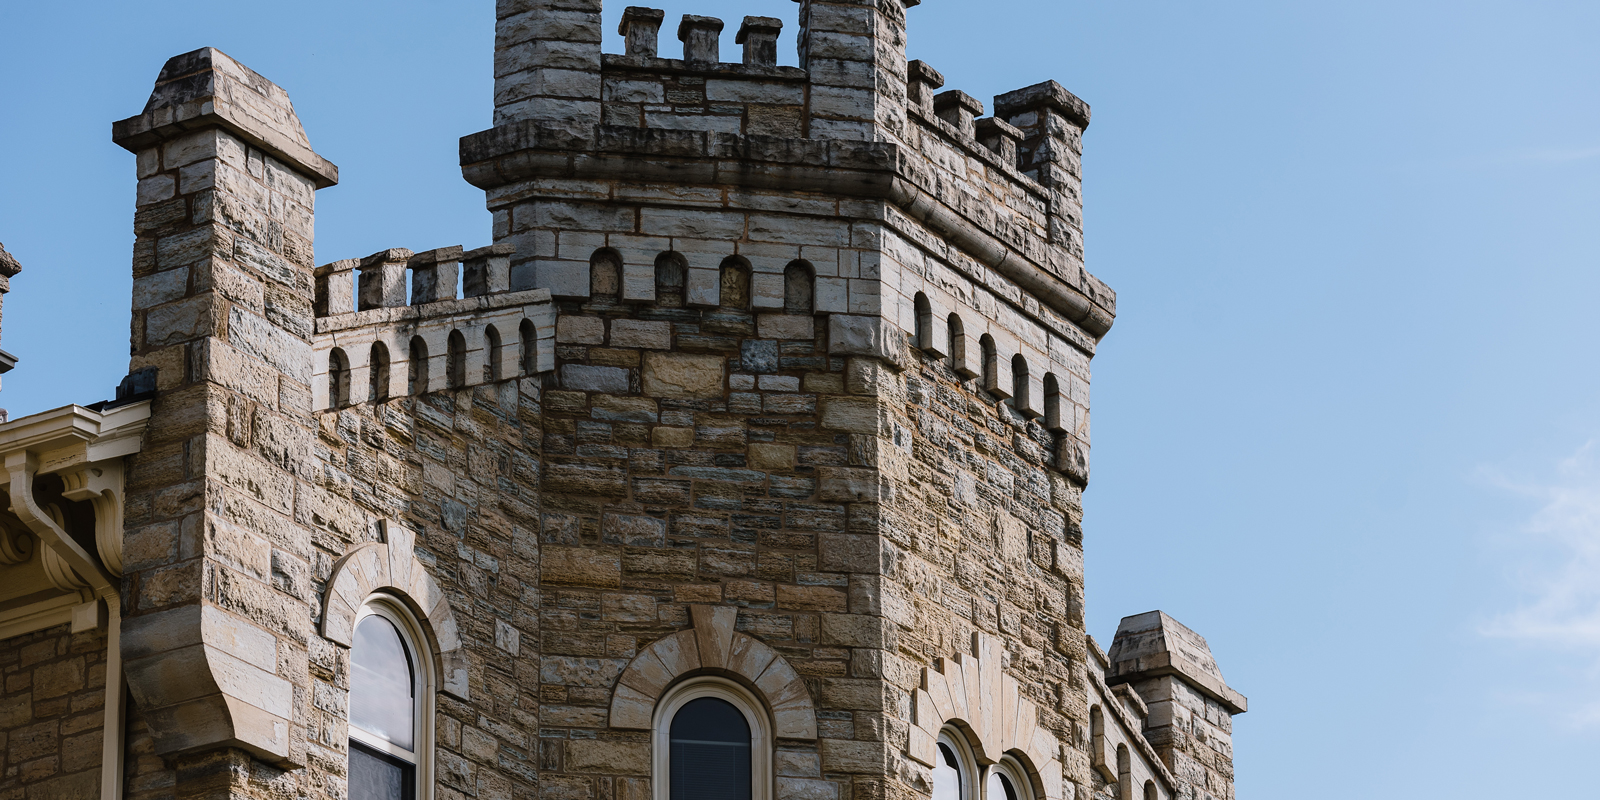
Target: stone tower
x=772, y=386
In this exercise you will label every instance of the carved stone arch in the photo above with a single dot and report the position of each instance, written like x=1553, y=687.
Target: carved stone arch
x=391, y=567
x=713, y=647
x=974, y=693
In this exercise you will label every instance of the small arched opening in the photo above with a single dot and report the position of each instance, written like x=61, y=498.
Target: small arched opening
x=924, y=311
x=528, y=355
x=455, y=371
x=378, y=372
x=338, y=379
x=672, y=275
x=418, y=382
x=734, y=289
x=799, y=288
x=605, y=274
x=492, y=351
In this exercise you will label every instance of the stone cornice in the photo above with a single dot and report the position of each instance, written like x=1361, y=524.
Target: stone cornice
x=877, y=170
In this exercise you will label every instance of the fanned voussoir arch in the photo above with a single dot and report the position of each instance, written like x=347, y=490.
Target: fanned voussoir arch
x=713, y=647
x=391, y=567
x=973, y=692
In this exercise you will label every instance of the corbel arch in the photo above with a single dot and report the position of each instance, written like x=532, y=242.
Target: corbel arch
x=391, y=567
x=972, y=692
x=713, y=647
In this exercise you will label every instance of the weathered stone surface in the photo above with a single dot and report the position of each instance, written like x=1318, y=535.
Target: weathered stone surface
x=682, y=375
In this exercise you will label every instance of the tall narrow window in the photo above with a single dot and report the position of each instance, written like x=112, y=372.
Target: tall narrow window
x=713, y=742
x=491, y=346
x=386, y=693
x=1150, y=791
x=799, y=288
x=954, y=774
x=419, y=366
x=338, y=379
x=378, y=373
x=1007, y=780
x=530, y=353
x=455, y=370
x=735, y=287
x=672, y=274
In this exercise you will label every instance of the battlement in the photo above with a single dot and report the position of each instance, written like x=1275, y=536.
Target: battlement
x=374, y=344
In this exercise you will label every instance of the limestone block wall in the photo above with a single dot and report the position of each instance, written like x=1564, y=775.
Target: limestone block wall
x=52, y=712
x=460, y=468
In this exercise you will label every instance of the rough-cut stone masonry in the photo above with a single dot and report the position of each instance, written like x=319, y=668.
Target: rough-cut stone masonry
x=52, y=712
x=776, y=375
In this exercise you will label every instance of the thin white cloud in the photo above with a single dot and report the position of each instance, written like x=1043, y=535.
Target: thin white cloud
x=1554, y=558
x=1556, y=155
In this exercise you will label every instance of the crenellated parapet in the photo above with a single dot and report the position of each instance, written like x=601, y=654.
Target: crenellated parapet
x=376, y=342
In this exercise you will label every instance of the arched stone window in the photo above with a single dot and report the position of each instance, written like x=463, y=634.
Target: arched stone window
x=338, y=379
x=1007, y=780
x=713, y=739
x=491, y=346
x=391, y=688
x=799, y=288
x=1097, y=737
x=991, y=366
x=605, y=274
x=955, y=772
x=529, y=353
x=672, y=274
x=1019, y=385
x=378, y=373
x=1150, y=791
x=456, y=360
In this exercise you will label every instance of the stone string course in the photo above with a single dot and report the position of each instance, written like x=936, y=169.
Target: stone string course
x=771, y=373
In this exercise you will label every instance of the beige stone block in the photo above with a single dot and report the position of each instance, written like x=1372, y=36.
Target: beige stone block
x=780, y=684
x=854, y=415
x=786, y=326
x=807, y=789
x=580, y=330
x=683, y=375
x=713, y=628
x=581, y=566
x=647, y=674
x=850, y=485
x=679, y=653
x=672, y=437
x=852, y=757
x=776, y=457
x=608, y=757
x=631, y=709
x=645, y=334
x=749, y=657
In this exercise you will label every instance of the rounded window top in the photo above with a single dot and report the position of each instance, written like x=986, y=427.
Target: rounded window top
x=953, y=776
x=381, y=674
x=1007, y=780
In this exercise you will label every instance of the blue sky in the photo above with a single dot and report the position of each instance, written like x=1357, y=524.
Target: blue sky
x=1344, y=427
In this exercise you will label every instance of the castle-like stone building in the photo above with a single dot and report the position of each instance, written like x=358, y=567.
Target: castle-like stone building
x=745, y=462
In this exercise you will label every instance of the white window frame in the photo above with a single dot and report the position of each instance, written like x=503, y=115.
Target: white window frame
x=1009, y=766
x=761, y=741
x=971, y=775
x=422, y=692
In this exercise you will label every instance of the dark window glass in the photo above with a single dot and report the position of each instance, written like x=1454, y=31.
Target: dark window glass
x=710, y=751
x=381, y=700
x=375, y=776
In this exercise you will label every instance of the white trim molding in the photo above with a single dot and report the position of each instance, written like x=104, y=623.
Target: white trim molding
x=761, y=740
